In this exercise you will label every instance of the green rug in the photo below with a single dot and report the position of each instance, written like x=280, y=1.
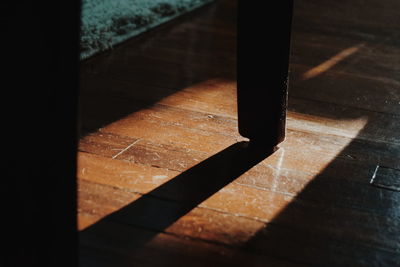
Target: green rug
x=106, y=23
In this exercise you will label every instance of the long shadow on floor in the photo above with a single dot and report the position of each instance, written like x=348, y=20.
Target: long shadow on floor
x=163, y=206
x=339, y=218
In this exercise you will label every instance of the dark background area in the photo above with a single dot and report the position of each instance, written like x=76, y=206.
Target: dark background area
x=39, y=128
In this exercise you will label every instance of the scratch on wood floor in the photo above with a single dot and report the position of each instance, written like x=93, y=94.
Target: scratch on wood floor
x=125, y=149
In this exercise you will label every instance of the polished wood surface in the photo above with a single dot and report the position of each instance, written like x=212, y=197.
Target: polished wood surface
x=166, y=180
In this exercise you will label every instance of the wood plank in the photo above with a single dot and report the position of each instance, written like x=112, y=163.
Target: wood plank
x=314, y=116
x=310, y=248
x=235, y=231
x=126, y=248
x=362, y=58
x=168, y=148
x=256, y=202
x=322, y=147
x=202, y=98
x=381, y=138
x=280, y=173
x=115, y=244
x=372, y=94
x=199, y=223
x=217, y=97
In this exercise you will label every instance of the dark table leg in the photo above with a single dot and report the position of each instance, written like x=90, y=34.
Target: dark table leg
x=263, y=57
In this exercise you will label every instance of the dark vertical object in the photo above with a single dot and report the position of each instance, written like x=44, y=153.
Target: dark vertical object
x=40, y=58
x=264, y=29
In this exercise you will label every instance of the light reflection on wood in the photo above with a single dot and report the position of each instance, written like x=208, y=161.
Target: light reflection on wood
x=325, y=66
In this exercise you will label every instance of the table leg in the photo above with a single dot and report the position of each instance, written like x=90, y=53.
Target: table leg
x=263, y=59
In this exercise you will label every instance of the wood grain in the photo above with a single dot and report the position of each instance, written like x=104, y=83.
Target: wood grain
x=165, y=179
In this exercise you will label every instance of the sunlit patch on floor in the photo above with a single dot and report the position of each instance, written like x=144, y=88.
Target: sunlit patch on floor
x=254, y=199
x=330, y=63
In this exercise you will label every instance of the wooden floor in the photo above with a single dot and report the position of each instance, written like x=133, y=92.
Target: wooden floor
x=165, y=179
